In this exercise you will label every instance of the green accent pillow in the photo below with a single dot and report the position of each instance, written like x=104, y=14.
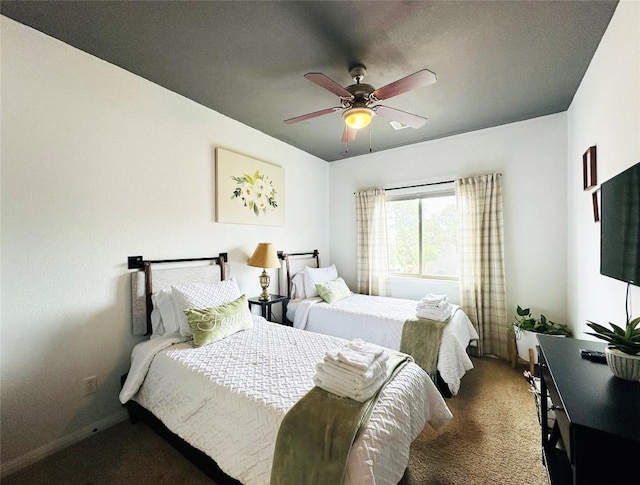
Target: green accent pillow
x=209, y=325
x=333, y=290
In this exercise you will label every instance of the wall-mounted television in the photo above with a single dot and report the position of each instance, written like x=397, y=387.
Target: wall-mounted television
x=620, y=226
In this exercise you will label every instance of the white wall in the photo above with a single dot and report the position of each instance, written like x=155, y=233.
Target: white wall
x=97, y=165
x=605, y=112
x=531, y=155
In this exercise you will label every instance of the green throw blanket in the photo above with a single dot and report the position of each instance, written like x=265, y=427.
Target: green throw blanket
x=315, y=437
x=421, y=339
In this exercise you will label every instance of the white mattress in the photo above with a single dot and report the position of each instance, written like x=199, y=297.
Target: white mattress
x=229, y=398
x=380, y=320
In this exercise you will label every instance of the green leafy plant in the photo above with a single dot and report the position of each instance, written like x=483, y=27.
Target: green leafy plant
x=525, y=321
x=626, y=339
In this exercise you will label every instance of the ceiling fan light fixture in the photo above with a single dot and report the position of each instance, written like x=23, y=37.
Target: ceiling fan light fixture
x=357, y=117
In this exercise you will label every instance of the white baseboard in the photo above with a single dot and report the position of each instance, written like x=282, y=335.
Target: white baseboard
x=60, y=444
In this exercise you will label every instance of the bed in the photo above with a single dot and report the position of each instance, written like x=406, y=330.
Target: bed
x=226, y=400
x=377, y=319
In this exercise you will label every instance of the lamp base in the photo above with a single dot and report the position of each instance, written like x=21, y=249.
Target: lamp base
x=264, y=283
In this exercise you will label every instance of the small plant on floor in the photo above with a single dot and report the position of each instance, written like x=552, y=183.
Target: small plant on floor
x=626, y=340
x=525, y=321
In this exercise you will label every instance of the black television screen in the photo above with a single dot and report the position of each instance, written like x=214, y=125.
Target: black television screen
x=620, y=226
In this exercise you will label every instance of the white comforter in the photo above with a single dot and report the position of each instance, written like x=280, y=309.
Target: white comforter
x=380, y=320
x=229, y=398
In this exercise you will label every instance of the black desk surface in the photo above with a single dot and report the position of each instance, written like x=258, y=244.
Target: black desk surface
x=592, y=396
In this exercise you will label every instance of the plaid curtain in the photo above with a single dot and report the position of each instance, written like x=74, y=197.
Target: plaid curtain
x=481, y=260
x=372, y=257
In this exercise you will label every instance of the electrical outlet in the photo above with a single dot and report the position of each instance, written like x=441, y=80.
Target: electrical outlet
x=90, y=385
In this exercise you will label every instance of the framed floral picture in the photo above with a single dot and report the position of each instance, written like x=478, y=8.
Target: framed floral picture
x=248, y=191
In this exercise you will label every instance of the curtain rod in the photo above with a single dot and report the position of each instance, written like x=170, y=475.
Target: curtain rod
x=422, y=185
x=419, y=185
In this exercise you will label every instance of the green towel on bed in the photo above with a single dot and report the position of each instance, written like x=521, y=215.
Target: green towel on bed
x=421, y=339
x=315, y=437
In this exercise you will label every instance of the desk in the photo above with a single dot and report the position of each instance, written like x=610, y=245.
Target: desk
x=596, y=435
x=265, y=306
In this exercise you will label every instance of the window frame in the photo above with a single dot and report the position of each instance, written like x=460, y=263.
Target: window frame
x=426, y=193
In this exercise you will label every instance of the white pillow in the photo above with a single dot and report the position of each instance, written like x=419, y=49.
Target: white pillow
x=163, y=305
x=313, y=276
x=179, y=298
x=297, y=286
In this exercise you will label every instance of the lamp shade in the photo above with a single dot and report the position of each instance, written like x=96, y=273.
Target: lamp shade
x=357, y=117
x=265, y=256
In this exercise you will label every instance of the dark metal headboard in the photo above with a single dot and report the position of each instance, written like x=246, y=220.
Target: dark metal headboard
x=285, y=257
x=144, y=265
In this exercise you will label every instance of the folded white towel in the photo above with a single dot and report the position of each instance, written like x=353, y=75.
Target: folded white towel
x=347, y=374
x=351, y=360
x=365, y=347
x=356, y=353
x=433, y=298
x=440, y=304
x=356, y=372
x=355, y=358
x=439, y=309
x=438, y=317
x=342, y=383
x=338, y=387
x=436, y=306
x=360, y=395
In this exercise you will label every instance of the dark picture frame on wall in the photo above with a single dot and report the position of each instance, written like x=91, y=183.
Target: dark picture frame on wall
x=589, y=168
x=595, y=195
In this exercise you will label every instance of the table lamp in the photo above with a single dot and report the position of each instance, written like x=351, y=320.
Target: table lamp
x=265, y=256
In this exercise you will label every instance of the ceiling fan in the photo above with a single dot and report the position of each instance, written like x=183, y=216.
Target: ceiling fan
x=358, y=101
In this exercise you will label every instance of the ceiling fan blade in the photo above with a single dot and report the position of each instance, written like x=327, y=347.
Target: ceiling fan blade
x=328, y=84
x=416, y=80
x=315, y=114
x=392, y=114
x=349, y=134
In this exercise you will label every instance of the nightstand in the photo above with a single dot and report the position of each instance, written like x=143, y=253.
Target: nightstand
x=266, y=305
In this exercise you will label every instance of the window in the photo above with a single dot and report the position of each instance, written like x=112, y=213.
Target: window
x=422, y=233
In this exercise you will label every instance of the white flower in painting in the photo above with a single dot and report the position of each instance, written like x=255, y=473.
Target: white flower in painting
x=260, y=185
x=248, y=193
x=256, y=193
x=261, y=203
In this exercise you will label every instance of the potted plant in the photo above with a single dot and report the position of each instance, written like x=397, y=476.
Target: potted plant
x=623, y=349
x=526, y=327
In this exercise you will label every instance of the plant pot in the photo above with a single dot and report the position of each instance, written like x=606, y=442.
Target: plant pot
x=525, y=340
x=624, y=366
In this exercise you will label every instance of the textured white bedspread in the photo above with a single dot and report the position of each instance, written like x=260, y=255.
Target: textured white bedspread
x=229, y=398
x=380, y=320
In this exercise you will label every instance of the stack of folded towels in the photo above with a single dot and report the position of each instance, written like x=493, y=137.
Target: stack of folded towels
x=356, y=370
x=434, y=307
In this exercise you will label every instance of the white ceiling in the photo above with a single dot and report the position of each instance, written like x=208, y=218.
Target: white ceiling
x=496, y=61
